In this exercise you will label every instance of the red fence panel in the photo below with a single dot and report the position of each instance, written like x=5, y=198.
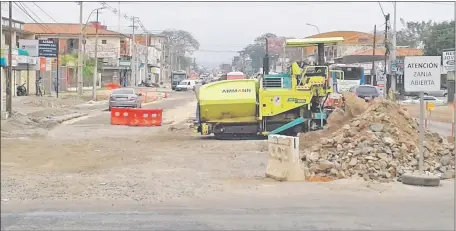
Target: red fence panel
x=145, y=117
x=120, y=116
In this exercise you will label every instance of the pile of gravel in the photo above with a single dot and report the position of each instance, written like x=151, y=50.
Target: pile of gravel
x=377, y=141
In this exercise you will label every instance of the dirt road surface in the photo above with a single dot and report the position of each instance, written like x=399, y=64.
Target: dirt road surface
x=87, y=174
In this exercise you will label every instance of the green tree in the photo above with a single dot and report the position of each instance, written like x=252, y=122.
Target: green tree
x=433, y=37
x=72, y=60
x=440, y=36
x=413, y=34
x=181, y=41
x=257, y=50
x=183, y=44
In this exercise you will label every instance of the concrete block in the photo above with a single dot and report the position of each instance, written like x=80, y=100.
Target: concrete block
x=284, y=163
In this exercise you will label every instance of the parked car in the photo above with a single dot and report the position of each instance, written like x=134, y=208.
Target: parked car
x=439, y=93
x=186, y=85
x=427, y=98
x=125, y=97
x=366, y=92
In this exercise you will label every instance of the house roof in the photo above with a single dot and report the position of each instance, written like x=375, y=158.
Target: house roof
x=349, y=36
x=67, y=29
x=399, y=52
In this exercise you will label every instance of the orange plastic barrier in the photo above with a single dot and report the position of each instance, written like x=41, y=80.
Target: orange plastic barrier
x=112, y=86
x=120, y=116
x=145, y=117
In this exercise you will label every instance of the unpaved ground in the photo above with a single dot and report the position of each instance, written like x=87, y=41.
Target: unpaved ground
x=152, y=164
x=90, y=165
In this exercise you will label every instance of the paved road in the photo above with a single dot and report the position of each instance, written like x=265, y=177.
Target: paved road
x=248, y=211
x=441, y=128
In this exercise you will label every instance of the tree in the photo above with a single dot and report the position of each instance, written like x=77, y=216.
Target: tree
x=433, y=37
x=257, y=50
x=413, y=34
x=183, y=44
x=182, y=41
x=72, y=60
x=440, y=36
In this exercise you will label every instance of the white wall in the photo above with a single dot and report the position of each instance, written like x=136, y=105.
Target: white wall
x=109, y=50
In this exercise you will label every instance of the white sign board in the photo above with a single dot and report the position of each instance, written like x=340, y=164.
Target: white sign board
x=48, y=64
x=448, y=60
x=422, y=73
x=31, y=46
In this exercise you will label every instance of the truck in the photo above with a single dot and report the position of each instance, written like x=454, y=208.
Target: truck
x=285, y=103
x=235, y=75
x=177, y=77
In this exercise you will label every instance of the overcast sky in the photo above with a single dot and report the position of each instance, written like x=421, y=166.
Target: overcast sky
x=224, y=27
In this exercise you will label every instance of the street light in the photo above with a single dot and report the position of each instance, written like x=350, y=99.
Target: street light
x=100, y=8
x=308, y=24
x=96, y=47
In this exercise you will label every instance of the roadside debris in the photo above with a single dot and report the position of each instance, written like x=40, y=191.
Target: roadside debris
x=377, y=141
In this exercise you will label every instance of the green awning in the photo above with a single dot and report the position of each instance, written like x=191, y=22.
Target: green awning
x=22, y=52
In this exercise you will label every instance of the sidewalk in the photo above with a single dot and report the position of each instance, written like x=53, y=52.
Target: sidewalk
x=34, y=116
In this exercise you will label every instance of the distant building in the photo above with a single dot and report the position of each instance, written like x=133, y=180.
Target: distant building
x=354, y=42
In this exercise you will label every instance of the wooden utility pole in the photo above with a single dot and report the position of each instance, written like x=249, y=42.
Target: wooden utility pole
x=387, y=51
x=80, y=54
x=95, y=70
x=9, y=92
x=373, y=71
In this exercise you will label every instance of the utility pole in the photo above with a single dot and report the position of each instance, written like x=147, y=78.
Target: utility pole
x=95, y=71
x=2, y=105
x=9, y=95
x=386, y=87
x=118, y=18
x=80, y=54
x=146, y=62
x=454, y=81
x=178, y=61
x=133, y=56
x=373, y=71
x=393, y=53
x=266, y=59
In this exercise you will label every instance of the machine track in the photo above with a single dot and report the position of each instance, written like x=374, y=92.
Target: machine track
x=239, y=137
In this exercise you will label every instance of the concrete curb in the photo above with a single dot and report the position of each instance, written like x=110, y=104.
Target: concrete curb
x=91, y=105
x=63, y=118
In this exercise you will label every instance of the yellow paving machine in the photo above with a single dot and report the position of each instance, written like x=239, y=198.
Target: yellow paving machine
x=286, y=103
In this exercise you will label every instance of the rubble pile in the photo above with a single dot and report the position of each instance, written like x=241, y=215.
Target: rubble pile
x=377, y=141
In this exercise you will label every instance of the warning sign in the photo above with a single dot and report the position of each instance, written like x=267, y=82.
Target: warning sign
x=422, y=73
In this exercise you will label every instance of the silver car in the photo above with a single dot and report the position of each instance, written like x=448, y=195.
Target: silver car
x=125, y=97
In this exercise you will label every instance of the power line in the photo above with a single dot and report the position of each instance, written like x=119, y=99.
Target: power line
x=49, y=16
x=19, y=5
x=381, y=8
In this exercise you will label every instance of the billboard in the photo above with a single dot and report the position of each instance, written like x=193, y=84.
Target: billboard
x=448, y=60
x=48, y=48
x=31, y=46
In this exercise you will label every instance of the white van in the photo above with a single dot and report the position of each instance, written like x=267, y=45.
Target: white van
x=187, y=84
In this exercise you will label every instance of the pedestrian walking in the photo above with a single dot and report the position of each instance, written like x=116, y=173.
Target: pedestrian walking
x=38, y=85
